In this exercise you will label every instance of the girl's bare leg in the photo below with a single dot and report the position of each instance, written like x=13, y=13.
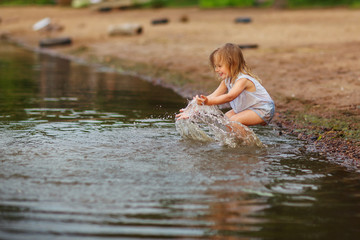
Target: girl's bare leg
x=247, y=118
x=229, y=114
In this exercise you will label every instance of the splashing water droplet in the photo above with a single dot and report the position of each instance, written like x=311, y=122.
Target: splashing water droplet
x=209, y=124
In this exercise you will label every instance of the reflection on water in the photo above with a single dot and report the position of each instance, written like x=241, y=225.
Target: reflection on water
x=88, y=154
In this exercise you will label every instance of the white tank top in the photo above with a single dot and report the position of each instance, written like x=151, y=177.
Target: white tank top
x=246, y=99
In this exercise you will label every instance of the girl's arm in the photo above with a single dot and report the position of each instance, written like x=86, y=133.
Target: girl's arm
x=239, y=86
x=221, y=89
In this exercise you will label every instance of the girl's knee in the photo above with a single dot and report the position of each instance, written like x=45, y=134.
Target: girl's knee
x=232, y=118
x=230, y=114
x=235, y=118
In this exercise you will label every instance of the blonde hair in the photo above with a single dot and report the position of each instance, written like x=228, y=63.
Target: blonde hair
x=231, y=55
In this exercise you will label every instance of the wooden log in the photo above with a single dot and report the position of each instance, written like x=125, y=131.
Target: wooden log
x=125, y=29
x=51, y=42
x=245, y=46
x=160, y=21
x=242, y=20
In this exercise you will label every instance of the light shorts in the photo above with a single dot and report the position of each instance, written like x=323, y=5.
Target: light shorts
x=265, y=110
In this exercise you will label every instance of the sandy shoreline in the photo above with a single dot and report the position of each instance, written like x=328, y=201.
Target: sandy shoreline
x=308, y=59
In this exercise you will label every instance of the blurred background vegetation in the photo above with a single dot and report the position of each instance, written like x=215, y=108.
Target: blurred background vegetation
x=209, y=3
x=26, y=2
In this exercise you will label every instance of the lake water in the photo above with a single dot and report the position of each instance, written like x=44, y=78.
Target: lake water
x=86, y=153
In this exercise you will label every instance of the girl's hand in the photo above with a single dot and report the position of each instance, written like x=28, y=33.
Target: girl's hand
x=202, y=100
x=182, y=115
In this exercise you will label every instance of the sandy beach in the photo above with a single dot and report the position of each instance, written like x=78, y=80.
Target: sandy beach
x=308, y=59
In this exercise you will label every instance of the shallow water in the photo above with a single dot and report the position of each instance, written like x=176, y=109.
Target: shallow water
x=86, y=153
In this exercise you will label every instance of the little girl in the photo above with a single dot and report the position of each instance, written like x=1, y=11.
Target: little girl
x=250, y=102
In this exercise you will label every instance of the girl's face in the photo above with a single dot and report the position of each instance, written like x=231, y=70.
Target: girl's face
x=221, y=69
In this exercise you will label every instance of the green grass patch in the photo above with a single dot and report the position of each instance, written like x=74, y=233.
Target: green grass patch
x=226, y=3
x=322, y=3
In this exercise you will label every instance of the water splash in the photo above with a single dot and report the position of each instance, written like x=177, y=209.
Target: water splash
x=209, y=124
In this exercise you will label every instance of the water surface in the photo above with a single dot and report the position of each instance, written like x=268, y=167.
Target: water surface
x=86, y=153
